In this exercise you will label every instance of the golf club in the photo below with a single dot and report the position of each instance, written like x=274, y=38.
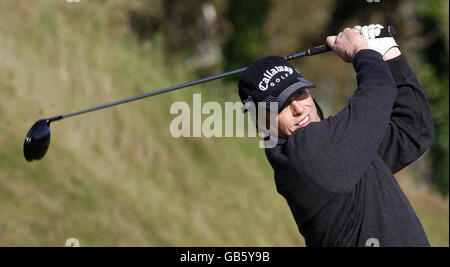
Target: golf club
x=37, y=140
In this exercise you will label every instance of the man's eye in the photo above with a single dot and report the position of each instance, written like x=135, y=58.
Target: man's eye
x=301, y=95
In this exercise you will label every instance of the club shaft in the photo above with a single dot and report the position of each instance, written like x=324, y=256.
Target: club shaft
x=157, y=92
x=386, y=32
x=165, y=90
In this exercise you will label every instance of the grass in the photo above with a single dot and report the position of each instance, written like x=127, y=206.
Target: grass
x=116, y=177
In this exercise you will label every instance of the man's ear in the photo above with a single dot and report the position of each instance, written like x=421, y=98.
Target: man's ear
x=272, y=125
x=254, y=118
x=256, y=122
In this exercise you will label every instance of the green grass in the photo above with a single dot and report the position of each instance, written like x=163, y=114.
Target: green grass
x=116, y=177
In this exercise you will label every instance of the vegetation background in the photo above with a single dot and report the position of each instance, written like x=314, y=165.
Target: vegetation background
x=117, y=178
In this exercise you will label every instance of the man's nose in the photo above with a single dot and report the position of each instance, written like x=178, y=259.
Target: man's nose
x=297, y=108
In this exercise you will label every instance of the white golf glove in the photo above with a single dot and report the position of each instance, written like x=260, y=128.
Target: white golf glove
x=381, y=45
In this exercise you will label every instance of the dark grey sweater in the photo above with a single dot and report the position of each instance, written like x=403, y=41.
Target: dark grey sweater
x=337, y=174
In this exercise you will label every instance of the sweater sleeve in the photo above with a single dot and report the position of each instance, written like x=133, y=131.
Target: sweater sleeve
x=410, y=131
x=336, y=152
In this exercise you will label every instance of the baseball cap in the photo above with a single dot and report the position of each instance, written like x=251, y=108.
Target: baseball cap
x=271, y=79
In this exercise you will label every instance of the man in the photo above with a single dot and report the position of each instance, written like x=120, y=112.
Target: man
x=337, y=173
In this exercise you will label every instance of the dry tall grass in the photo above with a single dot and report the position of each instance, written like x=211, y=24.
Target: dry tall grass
x=116, y=177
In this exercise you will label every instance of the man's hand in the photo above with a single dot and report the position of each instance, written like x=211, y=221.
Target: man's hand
x=386, y=46
x=347, y=44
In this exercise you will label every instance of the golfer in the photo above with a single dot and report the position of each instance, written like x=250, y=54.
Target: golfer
x=336, y=173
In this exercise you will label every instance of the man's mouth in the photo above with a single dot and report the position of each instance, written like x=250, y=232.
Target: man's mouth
x=303, y=122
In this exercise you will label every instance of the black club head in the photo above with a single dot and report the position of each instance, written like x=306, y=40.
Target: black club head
x=37, y=140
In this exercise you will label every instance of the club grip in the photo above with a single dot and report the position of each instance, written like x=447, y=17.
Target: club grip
x=318, y=50
x=388, y=31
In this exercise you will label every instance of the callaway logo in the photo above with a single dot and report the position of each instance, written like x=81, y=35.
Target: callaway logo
x=269, y=74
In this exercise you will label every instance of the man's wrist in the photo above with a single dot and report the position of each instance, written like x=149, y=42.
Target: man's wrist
x=359, y=48
x=392, y=53
x=363, y=57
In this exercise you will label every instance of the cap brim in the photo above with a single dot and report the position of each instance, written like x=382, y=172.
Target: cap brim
x=284, y=97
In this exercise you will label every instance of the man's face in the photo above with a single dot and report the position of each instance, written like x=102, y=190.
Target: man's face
x=299, y=112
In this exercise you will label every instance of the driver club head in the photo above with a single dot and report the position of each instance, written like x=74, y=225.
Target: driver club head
x=37, y=140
